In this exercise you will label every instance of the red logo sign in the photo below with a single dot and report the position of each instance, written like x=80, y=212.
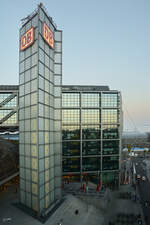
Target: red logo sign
x=27, y=39
x=48, y=35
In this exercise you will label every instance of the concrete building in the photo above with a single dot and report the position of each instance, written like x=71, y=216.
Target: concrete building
x=40, y=81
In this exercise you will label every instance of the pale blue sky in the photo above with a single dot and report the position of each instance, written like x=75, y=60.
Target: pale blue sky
x=105, y=42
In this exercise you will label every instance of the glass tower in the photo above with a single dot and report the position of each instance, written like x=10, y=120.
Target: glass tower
x=40, y=81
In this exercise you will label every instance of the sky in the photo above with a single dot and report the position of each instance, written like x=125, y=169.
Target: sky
x=105, y=42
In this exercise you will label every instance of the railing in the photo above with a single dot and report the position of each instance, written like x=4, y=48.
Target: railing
x=8, y=178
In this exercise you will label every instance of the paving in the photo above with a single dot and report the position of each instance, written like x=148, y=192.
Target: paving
x=79, y=208
x=143, y=187
x=72, y=211
x=123, y=209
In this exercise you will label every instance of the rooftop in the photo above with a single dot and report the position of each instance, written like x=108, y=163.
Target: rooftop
x=9, y=87
x=65, y=88
x=30, y=16
x=84, y=88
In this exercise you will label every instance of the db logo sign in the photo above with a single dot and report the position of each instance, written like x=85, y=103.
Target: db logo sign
x=48, y=35
x=27, y=39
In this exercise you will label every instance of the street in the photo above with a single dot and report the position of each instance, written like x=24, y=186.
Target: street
x=143, y=186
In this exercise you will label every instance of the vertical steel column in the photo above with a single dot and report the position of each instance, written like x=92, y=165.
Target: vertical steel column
x=81, y=138
x=101, y=135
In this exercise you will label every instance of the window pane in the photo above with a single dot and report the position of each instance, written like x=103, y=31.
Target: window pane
x=110, y=100
x=27, y=63
x=57, y=69
x=91, y=132
x=34, y=59
x=41, y=69
x=90, y=100
x=71, y=148
x=91, y=148
x=111, y=147
x=27, y=76
x=110, y=116
x=57, y=80
x=90, y=116
x=70, y=99
x=58, y=35
x=110, y=163
x=70, y=132
x=110, y=132
x=70, y=116
x=41, y=55
x=90, y=164
x=34, y=72
x=57, y=58
x=71, y=165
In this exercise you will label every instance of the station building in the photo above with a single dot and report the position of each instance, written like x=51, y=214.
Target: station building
x=91, y=131
x=66, y=132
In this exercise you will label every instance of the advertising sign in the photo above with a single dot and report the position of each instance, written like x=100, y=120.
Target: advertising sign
x=48, y=35
x=27, y=39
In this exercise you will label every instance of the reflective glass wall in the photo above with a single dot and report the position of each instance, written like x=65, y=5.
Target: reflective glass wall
x=91, y=133
x=40, y=114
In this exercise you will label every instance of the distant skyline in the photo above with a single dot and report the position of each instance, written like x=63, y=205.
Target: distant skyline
x=105, y=42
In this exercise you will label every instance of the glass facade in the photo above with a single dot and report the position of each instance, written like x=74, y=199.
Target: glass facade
x=110, y=131
x=40, y=77
x=91, y=134
x=90, y=163
x=91, y=130
x=91, y=148
x=71, y=100
x=71, y=132
x=110, y=100
x=71, y=148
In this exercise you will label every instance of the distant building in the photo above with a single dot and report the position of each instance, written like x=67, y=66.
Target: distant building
x=132, y=139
